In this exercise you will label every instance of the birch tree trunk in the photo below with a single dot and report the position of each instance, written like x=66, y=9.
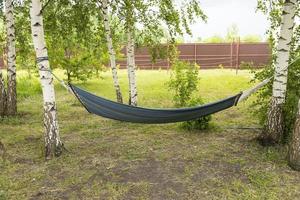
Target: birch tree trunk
x=53, y=144
x=111, y=50
x=2, y=96
x=11, y=59
x=294, y=151
x=274, y=127
x=131, y=69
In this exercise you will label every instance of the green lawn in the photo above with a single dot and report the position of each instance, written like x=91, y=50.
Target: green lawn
x=114, y=160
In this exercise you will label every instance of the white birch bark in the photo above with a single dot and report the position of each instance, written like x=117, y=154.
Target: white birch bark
x=131, y=69
x=53, y=144
x=274, y=126
x=11, y=59
x=294, y=151
x=111, y=50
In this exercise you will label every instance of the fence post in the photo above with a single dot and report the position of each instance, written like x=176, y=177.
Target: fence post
x=195, y=55
x=231, y=54
x=237, y=55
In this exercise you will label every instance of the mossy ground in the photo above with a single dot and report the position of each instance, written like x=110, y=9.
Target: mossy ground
x=107, y=159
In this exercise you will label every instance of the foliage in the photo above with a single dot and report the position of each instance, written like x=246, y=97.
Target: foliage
x=154, y=22
x=184, y=82
x=73, y=35
x=25, y=51
x=214, y=39
x=251, y=38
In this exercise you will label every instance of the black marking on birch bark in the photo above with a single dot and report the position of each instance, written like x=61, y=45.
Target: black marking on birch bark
x=51, y=81
x=285, y=13
x=279, y=75
x=37, y=24
x=283, y=50
x=281, y=38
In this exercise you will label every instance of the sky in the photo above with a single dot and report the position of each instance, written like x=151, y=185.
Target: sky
x=223, y=13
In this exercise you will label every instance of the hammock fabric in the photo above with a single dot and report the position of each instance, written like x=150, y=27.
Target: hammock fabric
x=113, y=110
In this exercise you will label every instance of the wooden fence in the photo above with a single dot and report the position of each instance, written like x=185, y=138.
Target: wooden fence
x=227, y=55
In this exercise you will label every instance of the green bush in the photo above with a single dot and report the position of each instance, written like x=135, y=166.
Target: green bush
x=184, y=82
x=200, y=123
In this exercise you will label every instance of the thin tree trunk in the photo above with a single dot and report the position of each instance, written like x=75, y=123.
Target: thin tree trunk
x=294, y=151
x=2, y=96
x=274, y=127
x=111, y=50
x=11, y=59
x=53, y=144
x=131, y=69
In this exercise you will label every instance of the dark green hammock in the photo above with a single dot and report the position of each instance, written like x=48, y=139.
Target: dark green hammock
x=113, y=110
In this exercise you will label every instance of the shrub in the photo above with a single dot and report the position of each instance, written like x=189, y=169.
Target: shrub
x=201, y=123
x=184, y=82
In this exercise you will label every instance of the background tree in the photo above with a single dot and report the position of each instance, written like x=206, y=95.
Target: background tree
x=111, y=50
x=53, y=144
x=2, y=52
x=151, y=16
x=232, y=33
x=11, y=58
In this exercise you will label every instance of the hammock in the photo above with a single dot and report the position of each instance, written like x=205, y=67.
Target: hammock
x=113, y=110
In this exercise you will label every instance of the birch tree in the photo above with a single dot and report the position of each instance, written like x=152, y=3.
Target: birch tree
x=111, y=50
x=53, y=144
x=133, y=98
x=130, y=20
x=274, y=127
x=11, y=59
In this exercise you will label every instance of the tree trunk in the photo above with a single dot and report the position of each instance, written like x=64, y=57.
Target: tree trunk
x=53, y=144
x=11, y=59
x=131, y=69
x=274, y=127
x=2, y=96
x=294, y=151
x=111, y=50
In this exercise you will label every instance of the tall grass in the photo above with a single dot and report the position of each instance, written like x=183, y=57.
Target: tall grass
x=28, y=87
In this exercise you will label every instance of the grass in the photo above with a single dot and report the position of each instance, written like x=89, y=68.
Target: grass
x=115, y=160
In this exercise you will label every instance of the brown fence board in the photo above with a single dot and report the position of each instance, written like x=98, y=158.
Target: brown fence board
x=229, y=55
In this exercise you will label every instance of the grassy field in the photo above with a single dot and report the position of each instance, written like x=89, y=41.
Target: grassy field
x=108, y=159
